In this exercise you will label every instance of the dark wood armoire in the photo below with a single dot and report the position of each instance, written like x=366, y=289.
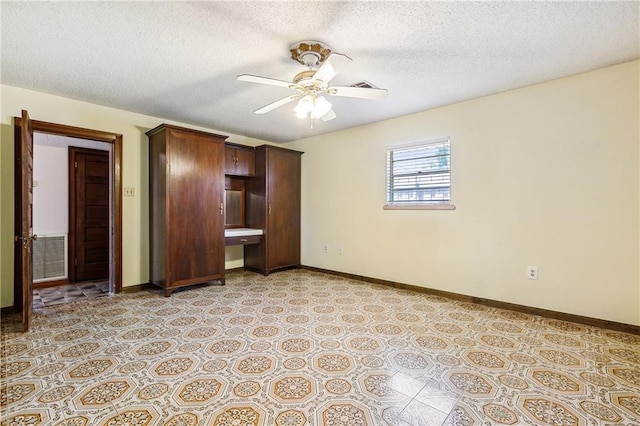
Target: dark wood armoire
x=186, y=207
x=273, y=204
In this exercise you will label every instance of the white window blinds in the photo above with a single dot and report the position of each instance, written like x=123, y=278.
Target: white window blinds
x=419, y=173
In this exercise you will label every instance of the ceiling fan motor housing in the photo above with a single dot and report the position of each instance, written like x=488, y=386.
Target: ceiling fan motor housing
x=310, y=53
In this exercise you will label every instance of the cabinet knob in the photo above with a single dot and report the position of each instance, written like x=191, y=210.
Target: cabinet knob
x=269, y=208
x=222, y=208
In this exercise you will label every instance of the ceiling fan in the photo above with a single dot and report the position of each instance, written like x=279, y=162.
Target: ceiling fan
x=323, y=65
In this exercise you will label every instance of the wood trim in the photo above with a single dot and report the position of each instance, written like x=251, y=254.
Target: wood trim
x=139, y=287
x=117, y=208
x=76, y=132
x=100, y=136
x=164, y=126
x=46, y=284
x=279, y=148
x=71, y=210
x=7, y=310
x=589, y=321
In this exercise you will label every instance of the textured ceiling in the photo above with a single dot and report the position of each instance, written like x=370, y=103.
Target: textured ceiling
x=179, y=60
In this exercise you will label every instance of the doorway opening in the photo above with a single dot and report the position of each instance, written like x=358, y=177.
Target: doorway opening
x=72, y=206
x=23, y=288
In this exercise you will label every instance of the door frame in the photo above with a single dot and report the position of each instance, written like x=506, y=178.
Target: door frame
x=115, y=139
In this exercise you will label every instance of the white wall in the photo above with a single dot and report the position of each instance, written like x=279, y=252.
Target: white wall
x=546, y=175
x=51, y=181
x=135, y=170
x=50, y=190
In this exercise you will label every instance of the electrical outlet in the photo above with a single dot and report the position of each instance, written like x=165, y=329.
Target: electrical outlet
x=129, y=192
x=325, y=248
x=532, y=272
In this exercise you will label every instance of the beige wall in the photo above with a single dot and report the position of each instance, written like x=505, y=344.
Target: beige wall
x=135, y=212
x=546, y=175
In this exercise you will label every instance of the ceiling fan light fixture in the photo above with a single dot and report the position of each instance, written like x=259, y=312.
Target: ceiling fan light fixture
x=321, y=106
x=304, y=106
x=312, y=106
x=323, y=65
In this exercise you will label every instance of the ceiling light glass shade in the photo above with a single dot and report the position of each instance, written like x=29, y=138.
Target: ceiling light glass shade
x=304, y=107
x=312, y=106
x=321, y=107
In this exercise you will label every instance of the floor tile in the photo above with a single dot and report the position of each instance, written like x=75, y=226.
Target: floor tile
x=304, y=348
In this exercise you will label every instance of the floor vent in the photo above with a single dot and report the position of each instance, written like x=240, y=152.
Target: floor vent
x=50, y=258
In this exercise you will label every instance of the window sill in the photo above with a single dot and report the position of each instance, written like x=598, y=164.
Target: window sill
x=419, y=207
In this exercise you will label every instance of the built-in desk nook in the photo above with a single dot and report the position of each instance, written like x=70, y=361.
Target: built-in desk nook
x=242, y=236
x=268, y=200
x=206, y=194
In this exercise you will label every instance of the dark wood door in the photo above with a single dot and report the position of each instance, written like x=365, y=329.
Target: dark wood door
x=196, y=207
x=88, y=214
x=23, y=270
x=273, y=204
x=283, y=210
x=186, y=207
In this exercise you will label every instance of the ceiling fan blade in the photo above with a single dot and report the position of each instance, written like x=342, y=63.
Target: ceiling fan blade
x=357, y=92
x=331, y=67
x=330, y=115
x=266, y=80
x=276, y=104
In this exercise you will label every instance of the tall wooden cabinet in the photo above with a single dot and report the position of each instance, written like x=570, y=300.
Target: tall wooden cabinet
x=186, y=211
x=273, y=204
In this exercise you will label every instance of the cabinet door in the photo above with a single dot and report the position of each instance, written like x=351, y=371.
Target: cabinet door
x=245, y=162
x=239, y=161
x=196, y=191
x=283, y=210
x=229, y=160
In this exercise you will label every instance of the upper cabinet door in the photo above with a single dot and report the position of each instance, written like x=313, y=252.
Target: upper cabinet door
x=239, y=160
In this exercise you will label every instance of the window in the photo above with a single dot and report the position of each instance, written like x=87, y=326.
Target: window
x=419, y=176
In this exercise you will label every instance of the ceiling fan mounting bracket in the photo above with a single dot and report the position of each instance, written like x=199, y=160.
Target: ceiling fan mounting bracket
x=310, y=53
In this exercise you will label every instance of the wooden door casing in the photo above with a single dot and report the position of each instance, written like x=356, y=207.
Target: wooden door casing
x=89, y=196
x=23, y=287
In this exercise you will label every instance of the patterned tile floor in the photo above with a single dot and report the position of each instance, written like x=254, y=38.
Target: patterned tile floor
x=305, y=348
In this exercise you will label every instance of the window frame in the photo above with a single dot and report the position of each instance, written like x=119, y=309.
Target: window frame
x=434, y=205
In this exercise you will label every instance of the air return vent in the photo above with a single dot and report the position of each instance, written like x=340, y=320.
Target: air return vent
x=50, y=258
x=365, y=84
